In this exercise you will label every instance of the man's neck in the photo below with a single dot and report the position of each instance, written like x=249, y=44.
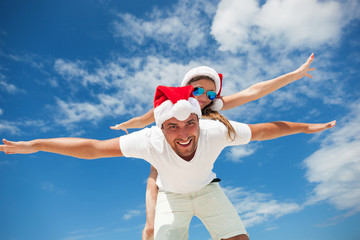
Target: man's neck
x=189, y=158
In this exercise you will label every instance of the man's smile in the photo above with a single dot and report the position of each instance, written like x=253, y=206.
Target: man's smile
x=184, y=144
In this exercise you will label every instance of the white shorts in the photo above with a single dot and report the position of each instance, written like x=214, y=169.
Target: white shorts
x=175, y=211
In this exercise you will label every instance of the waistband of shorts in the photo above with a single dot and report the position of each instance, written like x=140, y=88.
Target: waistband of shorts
x=215, y=180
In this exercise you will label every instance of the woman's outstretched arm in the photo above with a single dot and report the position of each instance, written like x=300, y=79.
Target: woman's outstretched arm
x=151, y=198
x=136, y=122
x=261, y=89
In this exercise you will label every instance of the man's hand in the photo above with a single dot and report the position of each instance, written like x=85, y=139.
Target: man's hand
x=10, y=147
x=318, y=127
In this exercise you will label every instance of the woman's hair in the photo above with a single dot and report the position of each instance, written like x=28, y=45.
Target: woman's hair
x=208, y=113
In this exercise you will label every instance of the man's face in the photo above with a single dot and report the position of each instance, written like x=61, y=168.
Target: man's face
x=182, y=135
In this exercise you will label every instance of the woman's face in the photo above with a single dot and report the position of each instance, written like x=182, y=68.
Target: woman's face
x=207, y=85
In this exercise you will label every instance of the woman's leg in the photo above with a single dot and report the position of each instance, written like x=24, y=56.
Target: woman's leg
x=151, y=196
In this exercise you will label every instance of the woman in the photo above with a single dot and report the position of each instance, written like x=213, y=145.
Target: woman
x=207, y=85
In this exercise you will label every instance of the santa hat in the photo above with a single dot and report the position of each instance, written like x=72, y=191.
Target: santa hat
x=178, y=102
x=211, y=73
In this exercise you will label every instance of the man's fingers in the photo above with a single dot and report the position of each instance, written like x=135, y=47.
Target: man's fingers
x=331, y=124
x=5, y=147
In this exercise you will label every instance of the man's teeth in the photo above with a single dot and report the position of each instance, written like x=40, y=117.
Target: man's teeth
x=184, y=143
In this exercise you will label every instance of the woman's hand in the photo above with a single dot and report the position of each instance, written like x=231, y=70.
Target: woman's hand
x=120, y=126
x=304, y=69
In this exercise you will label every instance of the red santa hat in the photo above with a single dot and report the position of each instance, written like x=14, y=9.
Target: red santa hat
x=178, y=102
x=211, y=73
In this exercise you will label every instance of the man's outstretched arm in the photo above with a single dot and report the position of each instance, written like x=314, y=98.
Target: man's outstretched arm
x=75, y=147
x=271, y=130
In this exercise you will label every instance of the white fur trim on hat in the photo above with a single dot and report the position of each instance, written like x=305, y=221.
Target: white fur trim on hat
x=217, y=104
x=203, y=71
x=181, y=110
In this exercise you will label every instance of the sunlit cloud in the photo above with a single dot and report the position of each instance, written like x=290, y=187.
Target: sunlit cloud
x=240, y=26
x=335, y=167
x=236, y=154
x=96, y=233
x=10, y=88
x=132, y=213
x=9, y=127
x=132, y=88
x=183, y=26
x=76, y=71
x=72, y=112
x=52, y=188
x=255, y=208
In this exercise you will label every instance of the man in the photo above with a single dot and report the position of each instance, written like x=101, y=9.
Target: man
x=183, y=149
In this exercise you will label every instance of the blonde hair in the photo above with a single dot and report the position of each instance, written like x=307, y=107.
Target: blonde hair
x=208, y=113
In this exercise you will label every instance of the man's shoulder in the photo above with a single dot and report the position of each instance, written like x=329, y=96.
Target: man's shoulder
x=215, y=127
x=209, y=123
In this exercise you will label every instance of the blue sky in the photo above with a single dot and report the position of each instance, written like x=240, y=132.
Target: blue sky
x=74, y=68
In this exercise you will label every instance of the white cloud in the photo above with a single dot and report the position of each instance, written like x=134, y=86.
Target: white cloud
x=132, y=87
x=71, y=112
x=76, y=70
x=50, y=187
x=10, y=127
x=183, y=26
x=10, y=88
x=236, y=154
x=335, y=168
x=96, y=233
x=30, y=59
x=244, y=25
x=131, y=214
x=132, y=84
x=255, y=208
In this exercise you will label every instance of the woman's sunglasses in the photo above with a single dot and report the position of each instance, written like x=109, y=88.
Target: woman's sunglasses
x=199, y=91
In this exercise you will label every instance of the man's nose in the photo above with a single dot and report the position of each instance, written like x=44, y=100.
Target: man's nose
x=183, y=133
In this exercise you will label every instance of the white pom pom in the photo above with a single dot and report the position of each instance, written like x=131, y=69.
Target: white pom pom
x=217, y=104
x=182, y=110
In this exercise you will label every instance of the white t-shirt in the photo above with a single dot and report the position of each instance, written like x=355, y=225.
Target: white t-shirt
x=174, y=173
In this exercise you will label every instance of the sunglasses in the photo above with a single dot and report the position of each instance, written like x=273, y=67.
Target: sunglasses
x=199, y=91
